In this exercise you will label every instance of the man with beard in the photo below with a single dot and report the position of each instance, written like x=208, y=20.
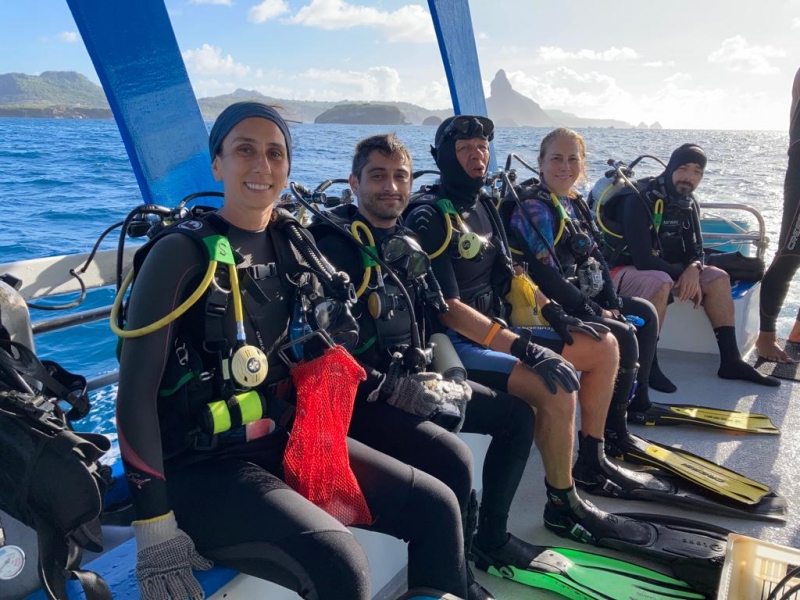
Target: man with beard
x=659, y=253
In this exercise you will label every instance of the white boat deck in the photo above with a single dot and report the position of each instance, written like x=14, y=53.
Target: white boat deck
x=772, y=459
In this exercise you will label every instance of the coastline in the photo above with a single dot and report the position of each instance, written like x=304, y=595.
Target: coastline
x=55, y=112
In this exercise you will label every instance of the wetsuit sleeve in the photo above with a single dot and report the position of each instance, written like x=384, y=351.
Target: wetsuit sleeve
x=428, y=224
x=174, y=264
x=542, y=269
x=636, y=230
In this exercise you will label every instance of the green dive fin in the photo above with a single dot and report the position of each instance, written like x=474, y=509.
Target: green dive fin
x=587, y=576
x=693, y=481
x=690, y=414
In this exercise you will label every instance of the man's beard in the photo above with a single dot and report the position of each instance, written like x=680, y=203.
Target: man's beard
x=684, y=187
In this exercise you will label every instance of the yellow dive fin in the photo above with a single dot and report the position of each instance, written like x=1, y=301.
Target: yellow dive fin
x=690, y=414
x=709, y=476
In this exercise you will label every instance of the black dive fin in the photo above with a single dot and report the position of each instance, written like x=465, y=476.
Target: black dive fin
x=705, y=416
x=685, y=479
x=587, y=576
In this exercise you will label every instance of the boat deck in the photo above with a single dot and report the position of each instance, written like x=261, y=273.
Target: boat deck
x=771, y=459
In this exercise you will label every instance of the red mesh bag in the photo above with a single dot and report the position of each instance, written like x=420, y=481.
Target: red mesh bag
x=316, y=463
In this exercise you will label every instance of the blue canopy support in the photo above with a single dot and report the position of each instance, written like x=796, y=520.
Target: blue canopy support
x=139, y=64
x=453, y=24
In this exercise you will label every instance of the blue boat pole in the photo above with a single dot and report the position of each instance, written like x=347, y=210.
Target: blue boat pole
x=139, y=64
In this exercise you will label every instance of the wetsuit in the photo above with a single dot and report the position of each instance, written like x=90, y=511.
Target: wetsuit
x=481, y=283
x=421, y=443
x=637, y=345
x=231, y=498
x=775, y=285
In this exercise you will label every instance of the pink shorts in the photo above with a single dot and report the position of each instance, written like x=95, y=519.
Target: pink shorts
x=630, y=281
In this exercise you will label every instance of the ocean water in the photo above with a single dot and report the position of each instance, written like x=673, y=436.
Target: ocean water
x=62, y=182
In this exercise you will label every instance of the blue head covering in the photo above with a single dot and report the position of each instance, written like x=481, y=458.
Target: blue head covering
x=238, y=112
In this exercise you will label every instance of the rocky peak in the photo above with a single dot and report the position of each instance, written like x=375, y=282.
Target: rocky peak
x=508, y=107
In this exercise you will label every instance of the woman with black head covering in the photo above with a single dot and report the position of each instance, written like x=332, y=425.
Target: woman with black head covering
x=226, y=487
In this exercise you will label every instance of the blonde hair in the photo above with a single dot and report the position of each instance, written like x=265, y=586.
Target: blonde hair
x=565, y=132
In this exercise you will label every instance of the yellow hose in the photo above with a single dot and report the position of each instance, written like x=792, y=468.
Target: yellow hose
x=163, y=321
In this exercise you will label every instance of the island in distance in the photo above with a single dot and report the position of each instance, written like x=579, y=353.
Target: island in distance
x=67, y=94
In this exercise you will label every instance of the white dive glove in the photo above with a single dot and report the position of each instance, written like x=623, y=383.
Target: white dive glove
x=430, y=396
x=165, y=559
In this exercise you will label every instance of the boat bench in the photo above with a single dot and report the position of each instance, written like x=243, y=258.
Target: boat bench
x=387, y=558
x=689, y=330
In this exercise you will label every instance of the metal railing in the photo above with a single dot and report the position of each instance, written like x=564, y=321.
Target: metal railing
x=739, y=235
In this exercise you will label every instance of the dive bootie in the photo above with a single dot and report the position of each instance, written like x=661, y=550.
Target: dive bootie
x=695, y=551
x=594, y=472
x=514, y=553
x=568, y=516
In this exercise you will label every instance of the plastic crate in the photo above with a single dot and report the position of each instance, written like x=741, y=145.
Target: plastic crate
x=754, y=567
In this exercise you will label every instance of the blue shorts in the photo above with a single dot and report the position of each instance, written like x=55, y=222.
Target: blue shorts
x=492, y=368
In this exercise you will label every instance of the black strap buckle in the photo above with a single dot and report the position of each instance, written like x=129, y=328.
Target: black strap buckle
x=258, y=272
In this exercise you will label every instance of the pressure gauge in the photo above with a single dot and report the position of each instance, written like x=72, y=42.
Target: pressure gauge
x=12, y=561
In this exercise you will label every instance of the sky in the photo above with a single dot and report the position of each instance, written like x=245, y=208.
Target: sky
x=688, y=64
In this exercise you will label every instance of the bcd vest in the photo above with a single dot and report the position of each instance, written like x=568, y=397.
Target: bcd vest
x=193, y=376
x=483, y=284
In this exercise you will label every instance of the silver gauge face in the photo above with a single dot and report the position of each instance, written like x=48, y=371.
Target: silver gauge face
x=12, y=561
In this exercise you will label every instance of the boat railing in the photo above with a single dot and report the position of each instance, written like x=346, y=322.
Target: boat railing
x=733, y=232
x=48, y=277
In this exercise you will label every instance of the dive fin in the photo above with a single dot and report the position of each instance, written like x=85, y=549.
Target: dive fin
x=690, y=414
x=587, y=576
x=695, y=482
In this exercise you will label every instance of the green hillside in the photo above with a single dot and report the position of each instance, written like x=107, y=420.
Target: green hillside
x=51, y=88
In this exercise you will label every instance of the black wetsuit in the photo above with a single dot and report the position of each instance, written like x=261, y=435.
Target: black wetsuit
x=775, y=285
x=677, y=246
x=232, y=500
x=637, y=345
x=426, y=445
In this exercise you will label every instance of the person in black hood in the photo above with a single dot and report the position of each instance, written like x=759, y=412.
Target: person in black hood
x=659, y=253
x=460, y=229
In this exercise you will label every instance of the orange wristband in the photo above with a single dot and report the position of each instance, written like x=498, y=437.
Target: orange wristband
x=492, y=332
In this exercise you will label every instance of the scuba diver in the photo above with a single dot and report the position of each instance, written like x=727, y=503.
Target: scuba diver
x=381, y=178
x=654, y=247
x=207, y=424
x=474, y=271
x=552, y=228
x=775, y=285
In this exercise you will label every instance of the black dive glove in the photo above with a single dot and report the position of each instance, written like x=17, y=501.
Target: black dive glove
x=565, y=324
x=545, y=363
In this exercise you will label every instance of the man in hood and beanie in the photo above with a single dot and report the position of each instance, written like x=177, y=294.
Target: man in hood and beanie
x=459, y=227
x=658, y=253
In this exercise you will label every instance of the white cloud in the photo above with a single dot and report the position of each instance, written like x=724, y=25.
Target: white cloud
x=678, y=79
x=796, y=23
x=376, y=83
x=268, y=9
x=69, y=36
x=410, y=23
x=222, y=2
x=739, y=56
x=208, y=60
x=554, y=53
x=659, y=63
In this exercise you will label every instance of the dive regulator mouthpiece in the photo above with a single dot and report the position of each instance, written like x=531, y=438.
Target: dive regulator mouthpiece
x=249, y=366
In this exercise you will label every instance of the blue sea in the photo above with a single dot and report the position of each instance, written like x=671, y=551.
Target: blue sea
x=62, y=182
